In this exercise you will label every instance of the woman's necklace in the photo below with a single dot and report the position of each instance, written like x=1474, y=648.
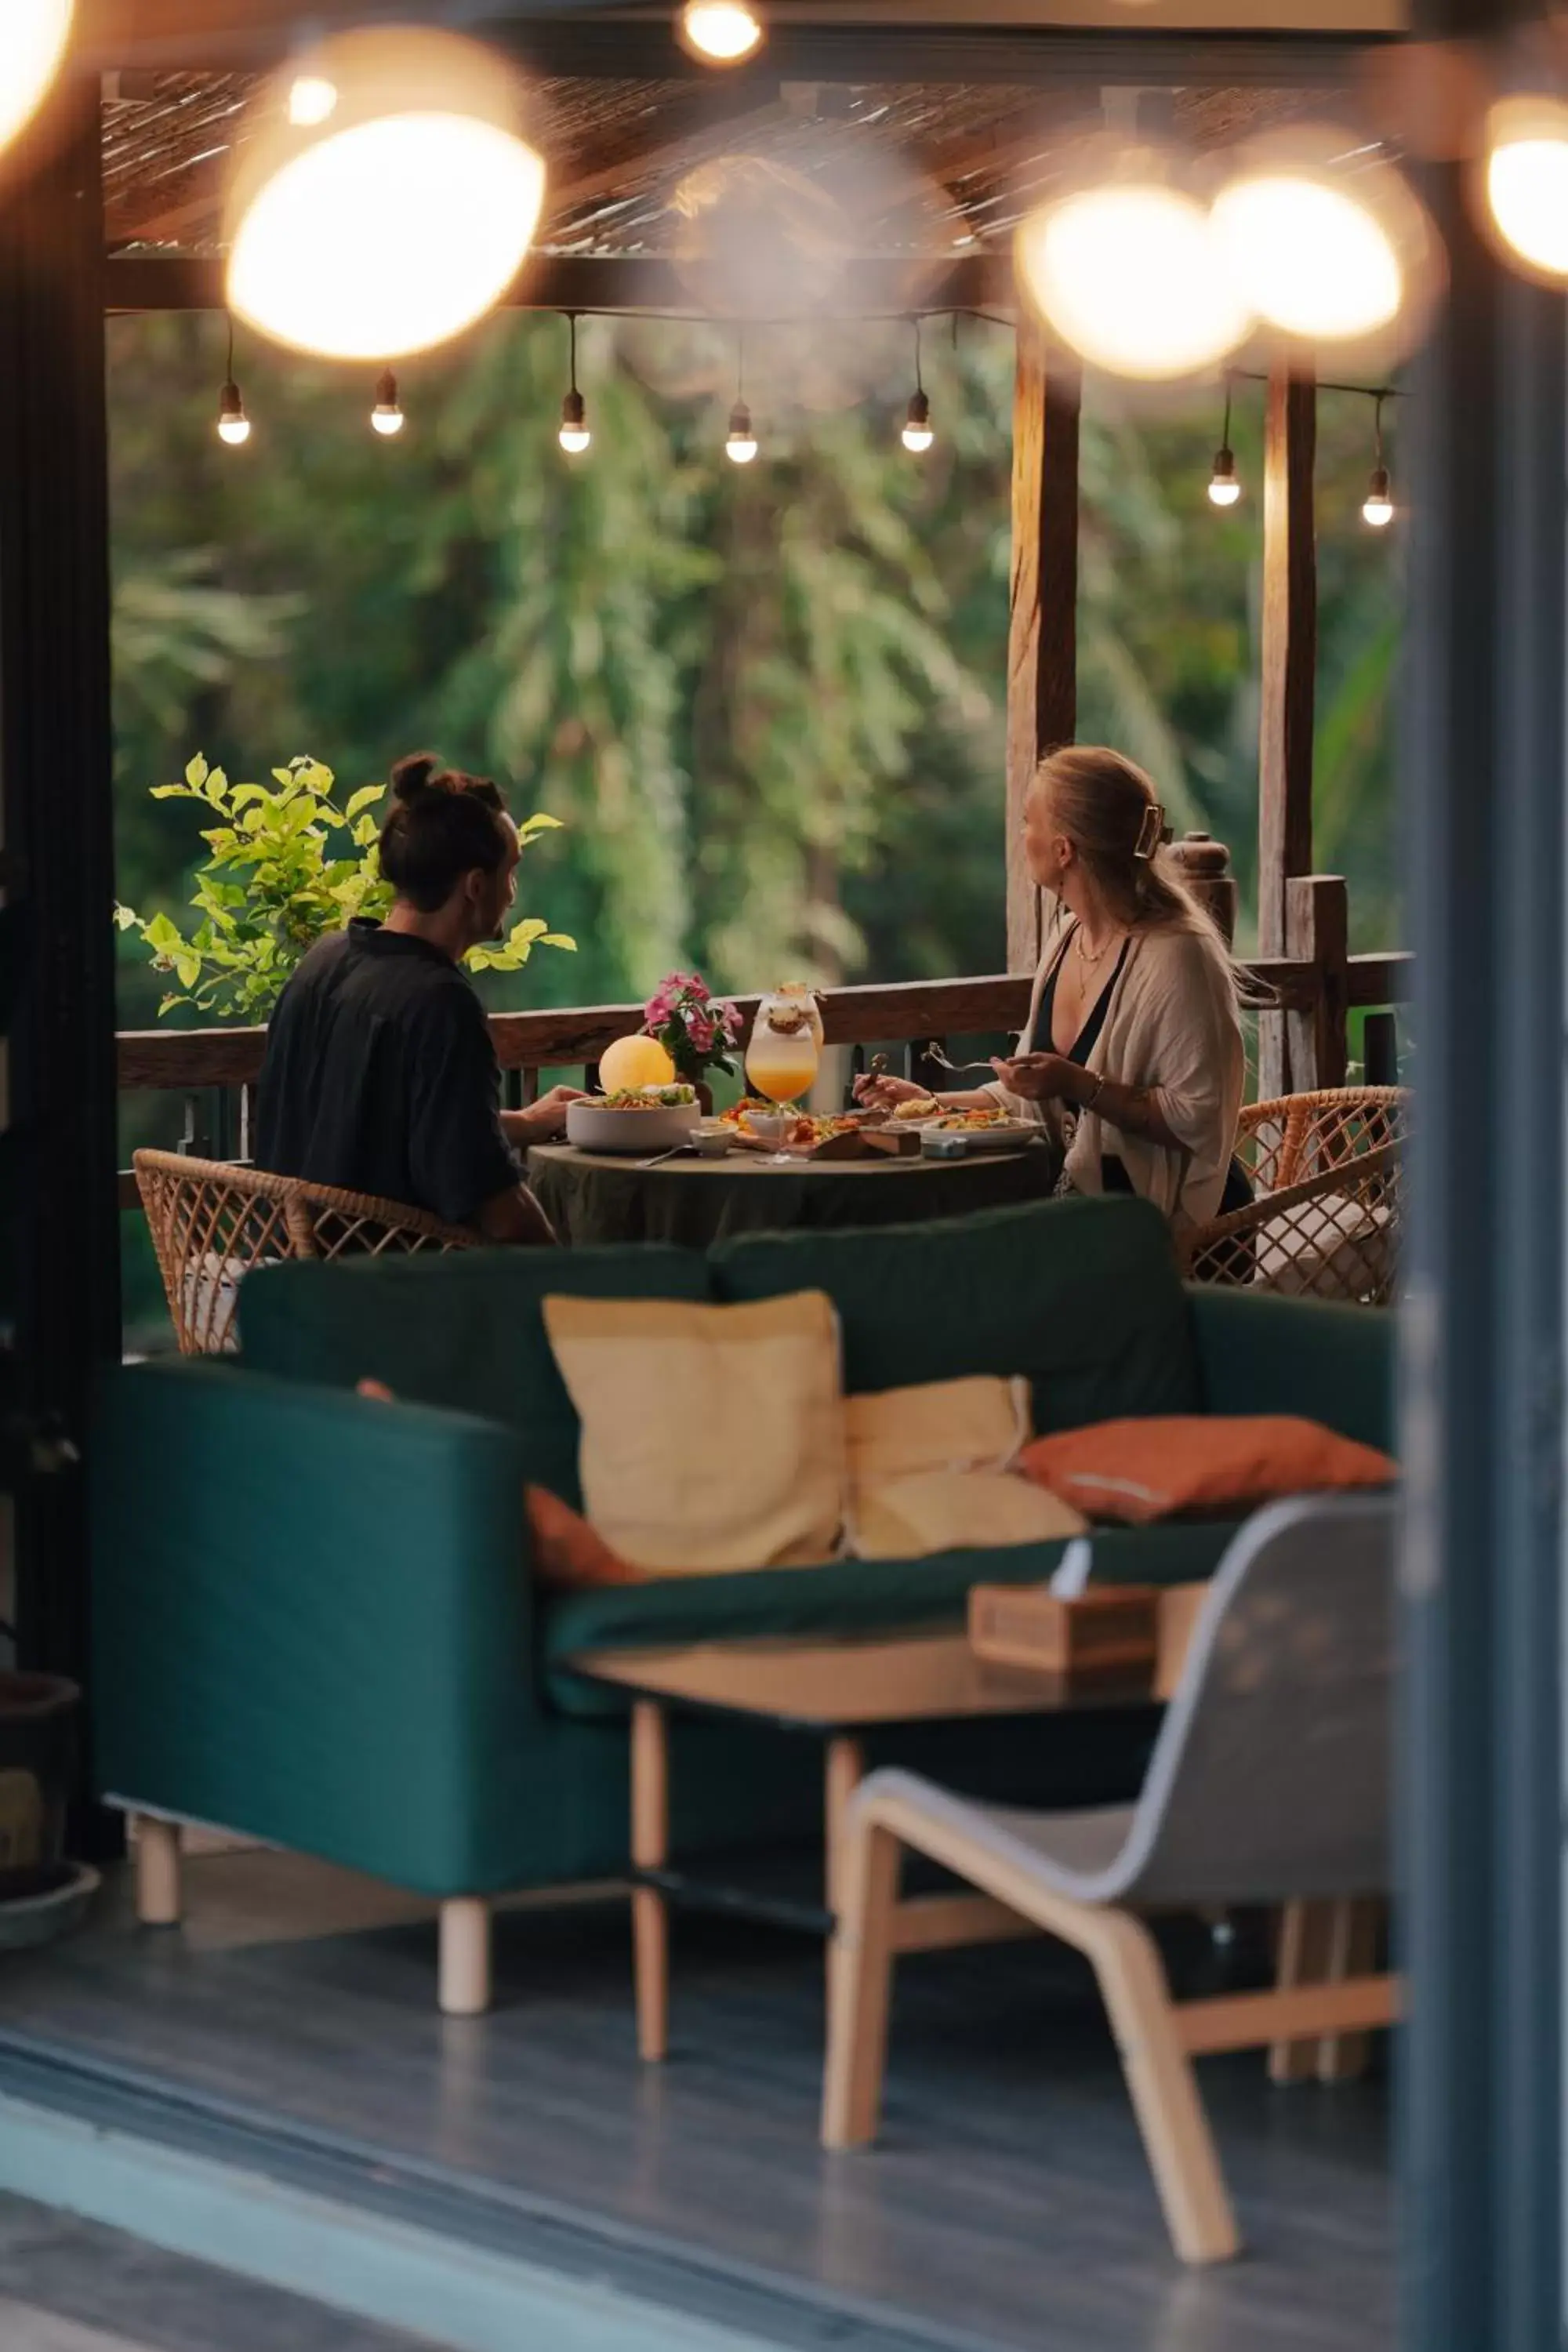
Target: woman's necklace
x=1089, y=961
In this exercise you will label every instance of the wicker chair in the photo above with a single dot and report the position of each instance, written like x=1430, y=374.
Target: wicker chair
x=212, y=1221
x=1324, y=1223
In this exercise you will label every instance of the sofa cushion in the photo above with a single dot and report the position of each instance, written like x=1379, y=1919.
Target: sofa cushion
x=463, y=1330
x=1082, y=1296
x=839, y=1602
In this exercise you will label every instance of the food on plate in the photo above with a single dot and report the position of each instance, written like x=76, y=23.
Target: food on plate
x=649, y=1099
x=971, y=1122
x=918, y=1107
x=747, y=1108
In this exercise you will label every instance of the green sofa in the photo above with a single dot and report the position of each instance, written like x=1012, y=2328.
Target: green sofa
x=312, y=1614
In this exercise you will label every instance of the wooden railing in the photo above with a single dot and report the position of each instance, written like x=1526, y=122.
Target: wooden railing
x=214, y=1068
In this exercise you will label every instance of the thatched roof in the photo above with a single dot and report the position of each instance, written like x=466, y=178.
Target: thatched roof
x=955, y=164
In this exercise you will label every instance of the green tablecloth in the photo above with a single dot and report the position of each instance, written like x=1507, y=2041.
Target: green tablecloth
x=591, y=1197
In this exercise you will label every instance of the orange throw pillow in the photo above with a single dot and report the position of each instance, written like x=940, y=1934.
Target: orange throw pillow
x=1206, y=1465
x=566, y=1550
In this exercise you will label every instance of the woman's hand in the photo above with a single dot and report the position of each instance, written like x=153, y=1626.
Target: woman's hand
x=1038, y=1077
x=885, y=1094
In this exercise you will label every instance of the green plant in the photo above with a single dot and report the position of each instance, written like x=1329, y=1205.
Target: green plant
x=287, y=865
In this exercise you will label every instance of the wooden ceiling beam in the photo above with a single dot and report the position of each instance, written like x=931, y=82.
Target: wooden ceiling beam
x=872, y=289
x=593, y=42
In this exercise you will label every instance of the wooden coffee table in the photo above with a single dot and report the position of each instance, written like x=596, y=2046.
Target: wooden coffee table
x=833, y=1691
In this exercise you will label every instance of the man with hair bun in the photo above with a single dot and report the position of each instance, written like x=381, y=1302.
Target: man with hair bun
x=380, y=1075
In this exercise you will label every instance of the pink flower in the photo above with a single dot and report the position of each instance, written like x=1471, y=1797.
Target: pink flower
x=730, y=1018
x=701, y=1031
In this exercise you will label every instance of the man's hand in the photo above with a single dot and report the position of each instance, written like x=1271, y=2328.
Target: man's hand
x=542, y=1120
x=1039, y=1078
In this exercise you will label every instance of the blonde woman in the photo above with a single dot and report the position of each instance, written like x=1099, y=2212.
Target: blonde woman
x=1132, y=1056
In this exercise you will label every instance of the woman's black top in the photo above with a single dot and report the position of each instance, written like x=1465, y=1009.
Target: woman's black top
x=1087, y=1037
x=1113, y=1176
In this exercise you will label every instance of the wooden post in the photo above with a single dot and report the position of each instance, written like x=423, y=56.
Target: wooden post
x=1042, y=643
x=1317, y=929
x=1289, y=682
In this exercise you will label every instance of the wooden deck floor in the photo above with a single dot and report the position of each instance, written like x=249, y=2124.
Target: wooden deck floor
x=1007, y=2205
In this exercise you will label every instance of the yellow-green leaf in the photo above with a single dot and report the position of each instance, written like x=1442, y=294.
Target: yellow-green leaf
x=362, y=798
x=558, y=940
x=196, y=773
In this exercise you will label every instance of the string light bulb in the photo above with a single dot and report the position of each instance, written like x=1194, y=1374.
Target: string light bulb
x=574, y=436
x=1224, y=483
x=917, y=435
x=232, y=425
x=312, y=99
x=386, y=417
x=741, y=443
x=34, y=35
x=721, y=32
x=1378, y=509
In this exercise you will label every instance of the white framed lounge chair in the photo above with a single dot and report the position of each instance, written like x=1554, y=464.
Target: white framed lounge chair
x=1268, y=1784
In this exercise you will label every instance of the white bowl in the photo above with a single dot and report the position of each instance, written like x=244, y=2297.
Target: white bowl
x=712, y=1139
x=770, y=1126
x=594, y=1127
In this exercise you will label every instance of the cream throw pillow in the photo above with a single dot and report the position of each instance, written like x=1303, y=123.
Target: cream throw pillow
x=930, y=1470
x=712, y=1436
x=982, y=1424
x=956, y=1510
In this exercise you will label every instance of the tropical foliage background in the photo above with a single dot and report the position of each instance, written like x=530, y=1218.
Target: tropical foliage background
x=766, y=701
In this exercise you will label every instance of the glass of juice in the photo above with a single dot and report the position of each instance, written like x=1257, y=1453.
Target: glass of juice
x=782, y=1061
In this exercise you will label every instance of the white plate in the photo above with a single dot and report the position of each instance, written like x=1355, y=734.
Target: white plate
x=594, y=1127
x=958, y=1140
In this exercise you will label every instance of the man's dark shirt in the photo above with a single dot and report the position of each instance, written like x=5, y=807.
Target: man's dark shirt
x=380, y=1077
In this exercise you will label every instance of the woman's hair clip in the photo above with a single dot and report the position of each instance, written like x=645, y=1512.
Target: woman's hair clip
x=1151, y=832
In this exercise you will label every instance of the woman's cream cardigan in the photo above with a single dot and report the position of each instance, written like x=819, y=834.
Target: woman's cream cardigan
x=1172, y=1026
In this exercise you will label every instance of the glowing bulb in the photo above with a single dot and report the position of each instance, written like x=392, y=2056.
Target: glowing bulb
x=722, y=31
x=1130, y=275
x=917, y=434
x=232, y=425
x=1225, y=489
x=33, y=36
x=1309, y=257
x=386, y=417
x=1378, y=509
x=574, y=436
x=387, y=236
x=1527, y=182
x=742, y=444
x=311, y=98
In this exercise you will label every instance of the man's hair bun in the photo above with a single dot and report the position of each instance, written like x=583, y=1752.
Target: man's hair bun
x=415, y=776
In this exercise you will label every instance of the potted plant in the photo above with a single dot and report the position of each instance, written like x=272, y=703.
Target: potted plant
x=696, y=1028
x=40, y=1892
x=285, y=863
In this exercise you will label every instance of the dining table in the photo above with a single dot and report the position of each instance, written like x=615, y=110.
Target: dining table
x=598, y=1197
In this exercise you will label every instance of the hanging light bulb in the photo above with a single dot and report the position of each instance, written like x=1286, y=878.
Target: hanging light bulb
x=386, y=417
x=741, y=445
x=311, y=98
x=1225, y=486
x=1526, y=182
x=917, y=435
x=33, y=36
x=400, y=218
x=721, y=32
x=232, y=425
x=1126, y=266
x=1378, y=509
x=574, y=436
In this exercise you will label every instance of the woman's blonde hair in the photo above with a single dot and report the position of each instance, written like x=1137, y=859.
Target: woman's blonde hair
x=1109, y=811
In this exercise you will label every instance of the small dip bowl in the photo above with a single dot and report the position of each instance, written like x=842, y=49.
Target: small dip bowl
x=712, y=1140
x=770, y=1126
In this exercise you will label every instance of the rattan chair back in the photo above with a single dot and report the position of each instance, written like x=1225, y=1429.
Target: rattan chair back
x=1325, y=1219
x=212, y=1223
